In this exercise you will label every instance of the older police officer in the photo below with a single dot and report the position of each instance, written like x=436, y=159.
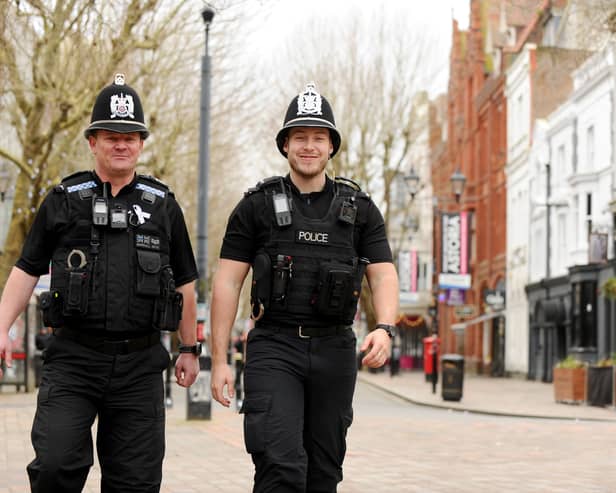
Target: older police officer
x=122, y=270
x=309, y=240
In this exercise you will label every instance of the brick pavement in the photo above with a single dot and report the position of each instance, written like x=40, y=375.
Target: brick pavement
x=393, y=446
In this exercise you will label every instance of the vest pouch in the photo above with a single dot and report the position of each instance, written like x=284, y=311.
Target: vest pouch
x=148, y=273
x=50, y=304
x=168, y=306
x=261, y=285
x=77, y=289
x=335, y=289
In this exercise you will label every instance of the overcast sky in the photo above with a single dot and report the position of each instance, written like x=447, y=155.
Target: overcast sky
x=432, y=17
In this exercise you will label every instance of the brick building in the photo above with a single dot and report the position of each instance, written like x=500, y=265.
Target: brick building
x=471, y=318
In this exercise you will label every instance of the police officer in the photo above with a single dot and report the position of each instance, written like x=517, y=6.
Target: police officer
x=122, y=270
x=309, y=240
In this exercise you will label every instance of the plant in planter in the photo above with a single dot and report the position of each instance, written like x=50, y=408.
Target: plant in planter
x=600, y=382
x=570, y=381
x=608, y=288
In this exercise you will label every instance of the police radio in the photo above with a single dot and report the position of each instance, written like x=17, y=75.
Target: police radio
x=100, y=211
x=282, y=209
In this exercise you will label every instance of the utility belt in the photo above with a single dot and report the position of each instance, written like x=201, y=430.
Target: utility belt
x=306, y=332
x=104, y=345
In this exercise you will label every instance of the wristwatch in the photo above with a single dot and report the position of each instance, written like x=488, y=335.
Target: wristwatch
x=390, y=329
x=196, y=349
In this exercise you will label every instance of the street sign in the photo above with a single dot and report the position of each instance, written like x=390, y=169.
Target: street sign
x=451, y=281
x=464, y=312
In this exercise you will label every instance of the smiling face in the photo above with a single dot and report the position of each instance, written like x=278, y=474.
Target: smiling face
x=308, y=150
x=116, y=154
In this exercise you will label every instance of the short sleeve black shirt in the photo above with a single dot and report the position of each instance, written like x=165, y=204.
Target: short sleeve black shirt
x=52, y=217
x=249, y=224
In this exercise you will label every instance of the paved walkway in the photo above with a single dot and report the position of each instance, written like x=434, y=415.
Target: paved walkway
x=197, y=451
x=488, y=395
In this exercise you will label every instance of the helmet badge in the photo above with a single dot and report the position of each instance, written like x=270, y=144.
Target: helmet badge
x=122, y=105
x=309, y=101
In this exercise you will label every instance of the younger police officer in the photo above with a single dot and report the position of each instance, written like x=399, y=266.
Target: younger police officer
x=309, y=240
x=122, y=270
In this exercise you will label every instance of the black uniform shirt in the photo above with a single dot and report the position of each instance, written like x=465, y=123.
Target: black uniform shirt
x=250, y=222
x=53, y=214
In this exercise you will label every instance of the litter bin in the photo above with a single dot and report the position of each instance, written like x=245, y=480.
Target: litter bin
x=453, y=376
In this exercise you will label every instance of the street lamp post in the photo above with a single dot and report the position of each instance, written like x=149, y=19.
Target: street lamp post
x=204, y=163
x=199, y=404
x=458, y=183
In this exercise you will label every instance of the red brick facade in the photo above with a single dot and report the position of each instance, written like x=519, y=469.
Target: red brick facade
x=477, y=146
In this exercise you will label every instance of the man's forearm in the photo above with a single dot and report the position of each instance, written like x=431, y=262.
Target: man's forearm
x=15, y=297
x=226, y=289
x=188, y=325
x=224, y=310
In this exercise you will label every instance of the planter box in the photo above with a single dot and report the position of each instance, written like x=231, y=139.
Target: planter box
x=600, y=385
x=570, y=385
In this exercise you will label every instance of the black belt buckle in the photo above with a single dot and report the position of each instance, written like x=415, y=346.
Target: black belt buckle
x=116, y=347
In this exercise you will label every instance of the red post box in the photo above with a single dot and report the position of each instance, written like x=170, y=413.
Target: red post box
x=430, y=346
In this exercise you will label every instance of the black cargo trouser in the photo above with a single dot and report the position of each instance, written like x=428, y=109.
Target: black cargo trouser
x=125, y=391
x=297, y=409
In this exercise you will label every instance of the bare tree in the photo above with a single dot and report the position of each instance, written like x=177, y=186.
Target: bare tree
x=56, y=56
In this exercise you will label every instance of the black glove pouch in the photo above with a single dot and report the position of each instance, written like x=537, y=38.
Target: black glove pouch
x=148, y=273
x=335, y=289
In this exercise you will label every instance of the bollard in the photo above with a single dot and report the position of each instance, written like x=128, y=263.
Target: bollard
x=199, y=396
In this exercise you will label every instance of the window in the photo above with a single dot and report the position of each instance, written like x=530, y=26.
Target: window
x=575, y=217
x=590, y=148
x=560, y=161
x=561, y=247
x=588, y=216
x=584, y=304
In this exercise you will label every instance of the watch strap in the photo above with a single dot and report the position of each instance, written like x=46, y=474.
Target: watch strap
x=390, y=329
x=194, y=349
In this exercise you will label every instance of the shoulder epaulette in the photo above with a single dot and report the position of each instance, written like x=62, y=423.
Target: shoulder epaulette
x=349, y=185
x=77, y=182
x=341, y=180
x=267, y=182
x=148, y=183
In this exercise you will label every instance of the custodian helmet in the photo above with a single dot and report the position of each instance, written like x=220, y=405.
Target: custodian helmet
x=309, y=109
x=118, y=109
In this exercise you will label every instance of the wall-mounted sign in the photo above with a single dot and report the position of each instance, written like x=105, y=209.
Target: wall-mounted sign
x=454, y=281
x=454, y=242
x=494, y=298
x=455, y=297
x=464, y=312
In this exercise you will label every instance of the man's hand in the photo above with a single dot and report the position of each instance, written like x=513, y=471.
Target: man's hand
x=5, y=351
x=221, y=378
x=380, y=346
x=186, y=369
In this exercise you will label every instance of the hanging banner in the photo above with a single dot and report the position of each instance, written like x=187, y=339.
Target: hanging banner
x=414, y=269
x=408, y=270
x=404, y=270
x=455, y=250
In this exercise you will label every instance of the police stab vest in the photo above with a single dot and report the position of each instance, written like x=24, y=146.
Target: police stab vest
x=309, y=269
x=113, y=277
